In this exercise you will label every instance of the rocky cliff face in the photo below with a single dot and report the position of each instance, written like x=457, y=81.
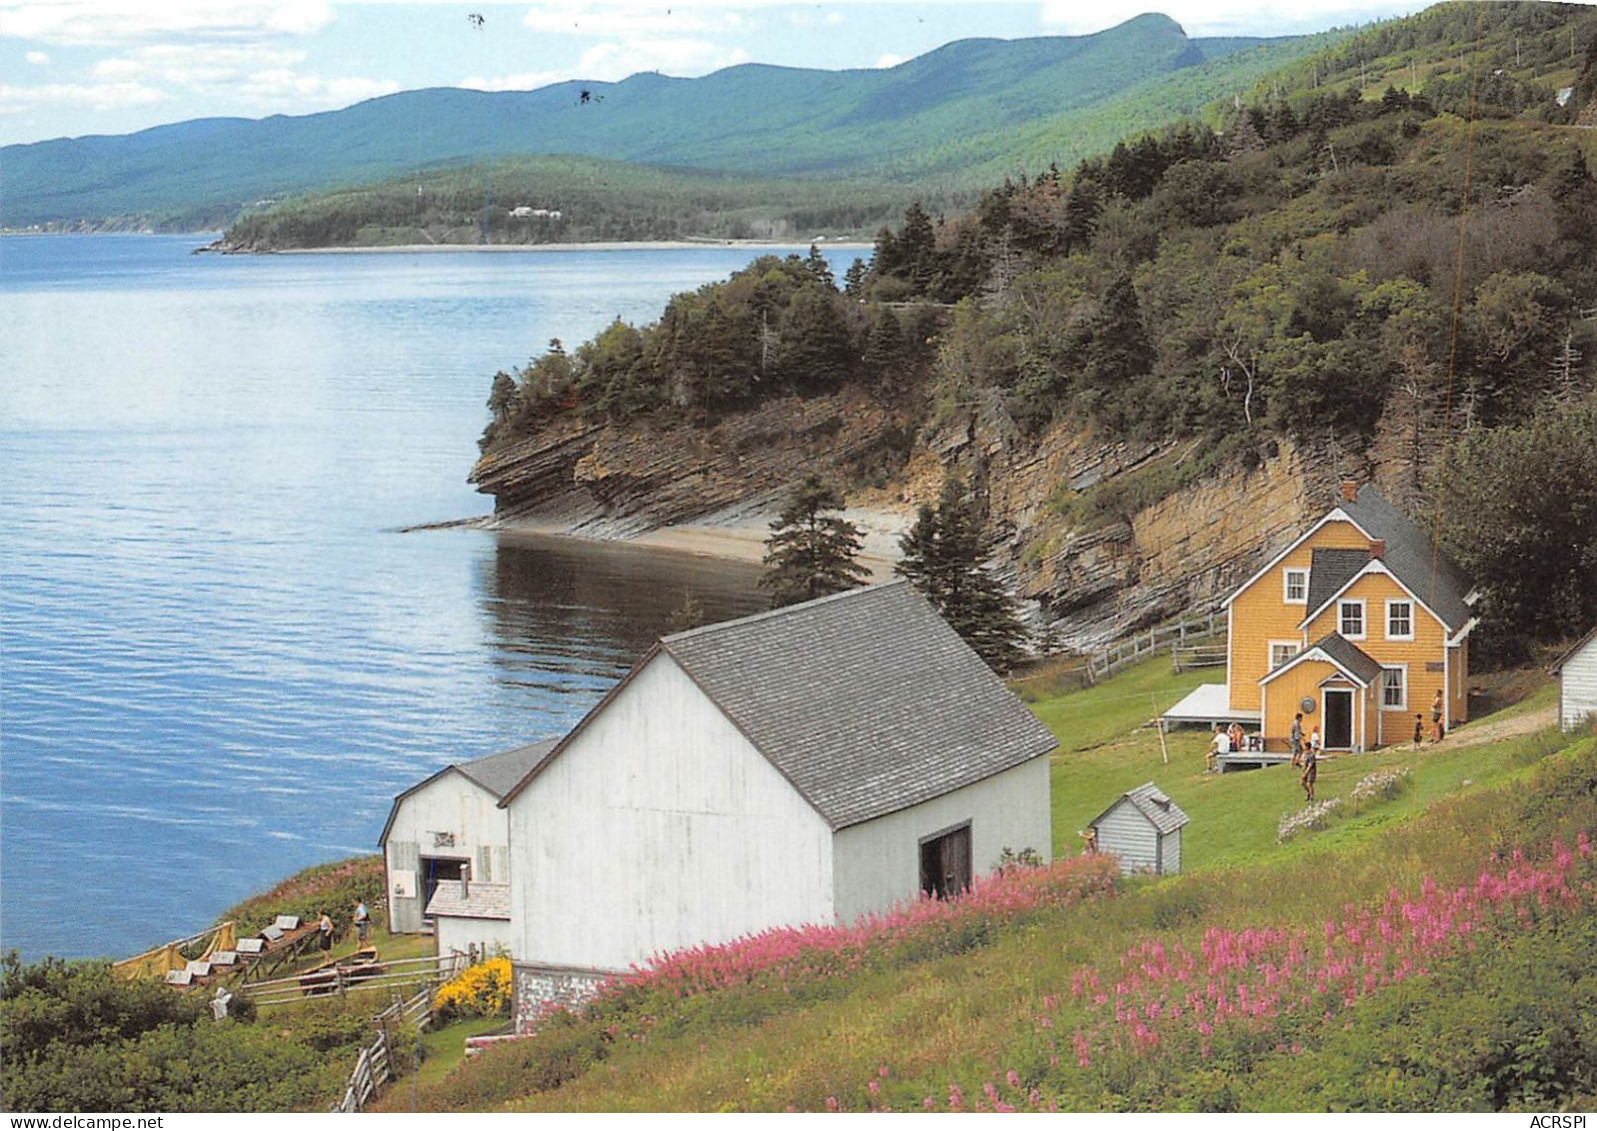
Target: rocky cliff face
x=616, y=481
x=1097, y=578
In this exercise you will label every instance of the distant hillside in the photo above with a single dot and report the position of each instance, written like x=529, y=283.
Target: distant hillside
x=529, y=200
x=963, y=113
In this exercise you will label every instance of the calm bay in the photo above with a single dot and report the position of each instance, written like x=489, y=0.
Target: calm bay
x=219, y=656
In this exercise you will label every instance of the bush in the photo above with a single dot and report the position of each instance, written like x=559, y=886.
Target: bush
x=483, y=990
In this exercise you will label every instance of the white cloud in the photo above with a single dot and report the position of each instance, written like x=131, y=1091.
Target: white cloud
x=95, y=96
x=888, y=60
x=109, y=23
x=37, y=58
x=613, y=61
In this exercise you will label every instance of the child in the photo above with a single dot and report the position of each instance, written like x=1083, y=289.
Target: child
x=1419, y=729
x=1297, y=739
x=1311, y=765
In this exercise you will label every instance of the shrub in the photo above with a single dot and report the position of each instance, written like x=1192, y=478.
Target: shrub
x=1382, y=785
x=1315, y=815
x=483, y=990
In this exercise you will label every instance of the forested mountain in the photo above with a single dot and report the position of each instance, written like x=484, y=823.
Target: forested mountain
x=1381, y=265
x=967, y=112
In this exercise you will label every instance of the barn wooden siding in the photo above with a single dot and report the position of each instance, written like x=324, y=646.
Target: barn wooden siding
x=1577, y=686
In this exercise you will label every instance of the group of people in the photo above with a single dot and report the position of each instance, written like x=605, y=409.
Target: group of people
x=1305, y=755
x=361, y=918
x=1226, y=740
x=1306, y=752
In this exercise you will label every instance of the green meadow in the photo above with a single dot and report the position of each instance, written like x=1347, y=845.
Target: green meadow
x=1407, y=914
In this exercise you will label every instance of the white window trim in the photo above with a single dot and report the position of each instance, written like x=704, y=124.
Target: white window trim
x=1286, y=575
x=1398, y=601
x=1403, y=706
x=1364, y=618
x=1271, y=646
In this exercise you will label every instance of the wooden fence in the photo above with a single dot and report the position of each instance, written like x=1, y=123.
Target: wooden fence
x=374, y=1067
x=1144, y=644
x=392, y=976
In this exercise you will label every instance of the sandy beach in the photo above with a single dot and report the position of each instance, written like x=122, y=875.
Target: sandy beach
x=742, y=537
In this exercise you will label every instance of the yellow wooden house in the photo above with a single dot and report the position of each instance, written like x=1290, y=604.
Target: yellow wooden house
x=1356, y=625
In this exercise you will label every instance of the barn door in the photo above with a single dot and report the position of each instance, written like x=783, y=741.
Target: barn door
x=945, y=863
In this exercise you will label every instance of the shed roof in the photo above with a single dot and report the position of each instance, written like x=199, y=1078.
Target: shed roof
x=480, y=901
x=1149, y=800
x=866, y=701
x=497, y=773
x=1424, y=571
x=1558, y=666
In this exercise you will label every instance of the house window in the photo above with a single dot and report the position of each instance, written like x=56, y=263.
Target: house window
x=1394, y=688
x=1296, y=586
x=1281, y=651
x=1400, y=620
x=1350, y=621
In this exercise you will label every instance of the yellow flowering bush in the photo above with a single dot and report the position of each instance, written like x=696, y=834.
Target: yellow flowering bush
x=482, y=990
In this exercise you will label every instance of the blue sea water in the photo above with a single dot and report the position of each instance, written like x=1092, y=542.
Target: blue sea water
x=219, y=656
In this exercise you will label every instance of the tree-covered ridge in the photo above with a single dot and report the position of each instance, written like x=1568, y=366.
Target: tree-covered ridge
x=777, y=327
x=543, y=200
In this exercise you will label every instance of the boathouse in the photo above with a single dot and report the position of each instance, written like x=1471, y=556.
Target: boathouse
x=449, y=827
x=805, y=765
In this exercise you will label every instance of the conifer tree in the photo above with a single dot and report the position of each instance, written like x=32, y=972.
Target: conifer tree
x=811, y=553
x=942, y=557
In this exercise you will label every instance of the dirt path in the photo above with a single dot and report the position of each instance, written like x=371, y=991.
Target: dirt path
x=1474, y=734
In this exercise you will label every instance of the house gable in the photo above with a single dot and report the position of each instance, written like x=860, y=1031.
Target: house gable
x=660, y=826
x=1260, y=616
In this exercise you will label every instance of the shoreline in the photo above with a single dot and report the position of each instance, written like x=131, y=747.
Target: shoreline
x=737, y=540
x=497, y=248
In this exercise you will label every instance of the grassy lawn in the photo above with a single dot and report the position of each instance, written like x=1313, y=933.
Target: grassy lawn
x=1106, y=749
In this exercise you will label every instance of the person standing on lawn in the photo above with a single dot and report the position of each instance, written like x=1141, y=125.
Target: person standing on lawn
x=1311, y=766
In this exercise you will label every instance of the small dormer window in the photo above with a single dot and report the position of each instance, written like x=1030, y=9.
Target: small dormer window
x=1295, y=586
x=1350, y=619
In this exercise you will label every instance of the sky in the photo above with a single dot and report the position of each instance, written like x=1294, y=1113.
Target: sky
x=69, y=68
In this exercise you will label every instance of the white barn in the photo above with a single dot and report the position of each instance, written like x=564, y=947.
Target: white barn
x=450, y=826
x=806, y=765
x=1142, y=830
x=1576, y=670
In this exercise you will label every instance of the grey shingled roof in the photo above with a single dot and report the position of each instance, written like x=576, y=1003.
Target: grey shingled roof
x=866, y=701
x=1162, y=813
x=1409, y=556
x=481, y=901
x=1329, y=571
x=499, y=773
x=1349, y=656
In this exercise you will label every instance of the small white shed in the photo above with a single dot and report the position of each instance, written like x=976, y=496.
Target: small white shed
x=1576, y=670
x=471, y=916
x=449, y=827
x=1142, y=830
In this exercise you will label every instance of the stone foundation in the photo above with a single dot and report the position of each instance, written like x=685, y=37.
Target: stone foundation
x=539, y=989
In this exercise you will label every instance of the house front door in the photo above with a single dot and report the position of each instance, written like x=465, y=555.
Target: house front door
x=1338, y=707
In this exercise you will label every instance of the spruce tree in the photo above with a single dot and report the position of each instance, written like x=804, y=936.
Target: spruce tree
x=942, y=557
x=811, y=553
